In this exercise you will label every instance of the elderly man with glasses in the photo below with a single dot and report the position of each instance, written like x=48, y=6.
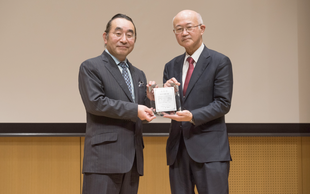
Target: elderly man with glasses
x=198, y=152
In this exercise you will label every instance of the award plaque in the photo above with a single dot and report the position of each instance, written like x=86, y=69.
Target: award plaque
x=166, y=99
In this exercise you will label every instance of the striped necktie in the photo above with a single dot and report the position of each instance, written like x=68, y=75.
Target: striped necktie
x=125, y=74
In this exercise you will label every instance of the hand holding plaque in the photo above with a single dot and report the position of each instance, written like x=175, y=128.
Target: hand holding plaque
x=166, y=99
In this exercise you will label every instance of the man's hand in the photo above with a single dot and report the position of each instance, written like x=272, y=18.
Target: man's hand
x=150, y=94
x=184, y=115
x=170, y=81
x=145, y=113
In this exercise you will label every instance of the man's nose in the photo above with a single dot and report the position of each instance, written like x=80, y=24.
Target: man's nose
x=184, y=31
x=123, y=38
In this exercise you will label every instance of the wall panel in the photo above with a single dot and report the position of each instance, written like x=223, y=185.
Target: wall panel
x=261, y=165
x=36, y=165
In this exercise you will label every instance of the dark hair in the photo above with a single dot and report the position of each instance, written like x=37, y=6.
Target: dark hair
x=119, y=15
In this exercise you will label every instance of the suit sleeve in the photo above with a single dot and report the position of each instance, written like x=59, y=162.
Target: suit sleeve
x=166, y=76
x=95, y=100
x=222, y=94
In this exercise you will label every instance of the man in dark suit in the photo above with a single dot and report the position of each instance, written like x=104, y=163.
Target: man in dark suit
x=198, y=152
x=114, y=94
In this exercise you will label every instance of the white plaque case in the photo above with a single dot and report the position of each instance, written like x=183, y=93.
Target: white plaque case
x=166, y=99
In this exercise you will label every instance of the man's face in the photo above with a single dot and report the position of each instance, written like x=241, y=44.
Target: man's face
x=121, y=38
x=192, y=40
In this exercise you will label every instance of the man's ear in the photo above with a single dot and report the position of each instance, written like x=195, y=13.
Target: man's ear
x=202, y=28
x=105, y=37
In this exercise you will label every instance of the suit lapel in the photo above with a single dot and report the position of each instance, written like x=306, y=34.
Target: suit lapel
x=134, y=79
x=178, y=72
x=201, y=65
x=114, y=70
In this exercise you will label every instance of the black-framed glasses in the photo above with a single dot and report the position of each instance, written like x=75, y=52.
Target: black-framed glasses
x=179, y=30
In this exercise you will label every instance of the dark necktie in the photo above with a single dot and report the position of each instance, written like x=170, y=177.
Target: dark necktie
x=126, y=76
x=189, y=73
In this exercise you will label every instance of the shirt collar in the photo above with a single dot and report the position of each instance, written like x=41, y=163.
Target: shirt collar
x=115, y=59
x=196, y=54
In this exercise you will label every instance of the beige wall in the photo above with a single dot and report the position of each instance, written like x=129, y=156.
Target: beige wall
x=42, y=44
x=304, y=60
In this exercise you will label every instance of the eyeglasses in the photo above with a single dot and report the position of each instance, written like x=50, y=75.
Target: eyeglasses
x=128, y=35
x=180, y=30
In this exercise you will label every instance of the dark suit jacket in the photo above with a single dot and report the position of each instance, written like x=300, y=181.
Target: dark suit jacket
x=114, y=131
x=208, y=97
